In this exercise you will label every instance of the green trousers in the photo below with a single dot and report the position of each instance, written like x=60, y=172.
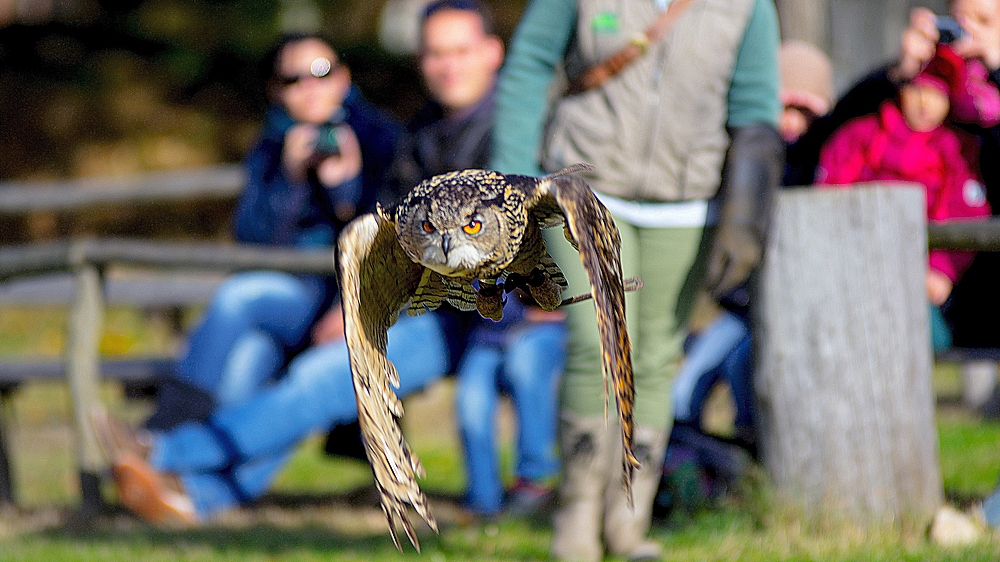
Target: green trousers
x=670, y=262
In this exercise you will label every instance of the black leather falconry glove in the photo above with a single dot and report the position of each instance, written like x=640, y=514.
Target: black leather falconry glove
x=751, y=175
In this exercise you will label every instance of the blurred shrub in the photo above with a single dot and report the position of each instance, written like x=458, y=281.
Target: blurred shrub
x=111, y=87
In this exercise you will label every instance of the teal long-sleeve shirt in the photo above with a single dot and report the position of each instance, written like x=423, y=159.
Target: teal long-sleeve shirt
x=537, y=50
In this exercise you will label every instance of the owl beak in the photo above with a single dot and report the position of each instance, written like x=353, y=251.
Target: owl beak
x=445, y=243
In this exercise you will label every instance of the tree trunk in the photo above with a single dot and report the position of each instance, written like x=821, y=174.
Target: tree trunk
x=844, y=375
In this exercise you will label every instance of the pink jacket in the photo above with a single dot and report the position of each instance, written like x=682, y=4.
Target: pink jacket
x=883, y=147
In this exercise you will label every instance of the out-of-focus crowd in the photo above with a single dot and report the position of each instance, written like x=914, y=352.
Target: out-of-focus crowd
x=693, y=114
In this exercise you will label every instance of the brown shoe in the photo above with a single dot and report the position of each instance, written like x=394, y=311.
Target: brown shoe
x=157, y=498
x=117, y=439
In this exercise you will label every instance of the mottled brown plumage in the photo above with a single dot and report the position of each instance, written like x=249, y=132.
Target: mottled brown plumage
x=451, y=230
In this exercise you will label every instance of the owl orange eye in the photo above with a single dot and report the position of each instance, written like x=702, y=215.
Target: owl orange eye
x=473, y=227
x=428, y=227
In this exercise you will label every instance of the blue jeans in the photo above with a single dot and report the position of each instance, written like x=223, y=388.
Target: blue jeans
x=528, y=367
x=991, y=508
x=253, y=321
x=722, y=350
x=235, y=456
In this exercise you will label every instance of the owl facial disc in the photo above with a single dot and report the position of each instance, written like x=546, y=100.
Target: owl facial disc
x=452, y=227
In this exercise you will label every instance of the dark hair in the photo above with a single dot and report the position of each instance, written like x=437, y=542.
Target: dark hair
x=465, y=5
x=268, y=68
x=269, y=65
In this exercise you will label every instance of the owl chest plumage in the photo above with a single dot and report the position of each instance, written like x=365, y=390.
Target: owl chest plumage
x=460, y=292
x=519, y=252
x=515, y=246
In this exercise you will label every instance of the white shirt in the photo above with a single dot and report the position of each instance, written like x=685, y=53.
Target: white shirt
x=696, y=213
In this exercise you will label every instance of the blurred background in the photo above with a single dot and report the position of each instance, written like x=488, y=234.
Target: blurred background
x=114, y=88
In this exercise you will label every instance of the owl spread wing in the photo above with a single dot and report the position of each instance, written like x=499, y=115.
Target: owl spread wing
x=596, y=237
x=377, y=278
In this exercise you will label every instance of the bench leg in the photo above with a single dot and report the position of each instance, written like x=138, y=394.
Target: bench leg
x=6, y=481
x=82, y=364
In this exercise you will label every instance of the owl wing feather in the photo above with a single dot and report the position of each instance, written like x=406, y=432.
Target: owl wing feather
x=377, y=279
x=597, y=239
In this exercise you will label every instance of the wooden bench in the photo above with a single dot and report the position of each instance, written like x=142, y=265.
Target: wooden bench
x=979, y=371
x=82, y=366
x=137, y=375
x=72, y=196
x=31, y=286
x=147, y=291
x=80, y=281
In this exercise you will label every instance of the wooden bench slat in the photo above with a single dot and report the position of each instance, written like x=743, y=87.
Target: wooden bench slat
x=965, y=235
x=957, y=354
x=33, y=259
x=216, y=182
x=141, y=289
x=142, y=369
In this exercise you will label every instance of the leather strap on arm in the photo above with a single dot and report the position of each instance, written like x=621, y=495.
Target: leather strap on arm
x=601, y=72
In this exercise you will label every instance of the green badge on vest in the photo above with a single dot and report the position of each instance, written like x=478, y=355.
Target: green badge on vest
x=605, y=22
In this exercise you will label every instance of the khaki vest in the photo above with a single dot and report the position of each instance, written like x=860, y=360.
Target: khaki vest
x=657, y=131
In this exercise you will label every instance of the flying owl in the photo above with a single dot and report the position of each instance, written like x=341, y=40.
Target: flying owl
x=466, y=238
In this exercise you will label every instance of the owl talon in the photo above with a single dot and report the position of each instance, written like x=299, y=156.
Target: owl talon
x=546, y=292
x=489, y=302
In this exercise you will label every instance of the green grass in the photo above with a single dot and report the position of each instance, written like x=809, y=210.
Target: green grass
x=323, y=509
x=730, y=533
x=333, y=527
x=970, y=454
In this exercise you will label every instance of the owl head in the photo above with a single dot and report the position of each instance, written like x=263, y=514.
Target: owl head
x=459, y=224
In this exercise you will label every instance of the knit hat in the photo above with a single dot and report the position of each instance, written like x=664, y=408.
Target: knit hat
x=944, y=72
x=806, y=77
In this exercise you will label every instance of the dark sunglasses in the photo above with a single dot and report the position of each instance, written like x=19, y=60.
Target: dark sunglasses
x=809, y=114
x=318, y=68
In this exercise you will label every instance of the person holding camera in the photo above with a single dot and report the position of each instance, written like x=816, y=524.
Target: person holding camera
x=320, y=159
x=972, y=29
x=267, y=365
